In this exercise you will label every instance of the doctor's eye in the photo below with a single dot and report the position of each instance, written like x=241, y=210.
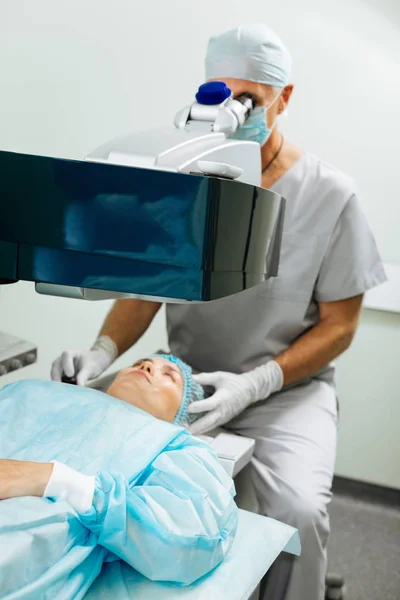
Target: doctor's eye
x=248, y=98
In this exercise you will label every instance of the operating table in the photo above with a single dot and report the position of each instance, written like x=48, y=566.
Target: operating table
x=258, y=543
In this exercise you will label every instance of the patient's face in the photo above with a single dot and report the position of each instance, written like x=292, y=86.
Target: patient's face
x=154, y=384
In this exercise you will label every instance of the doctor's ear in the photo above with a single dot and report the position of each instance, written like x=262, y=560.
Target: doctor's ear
x=285, y=97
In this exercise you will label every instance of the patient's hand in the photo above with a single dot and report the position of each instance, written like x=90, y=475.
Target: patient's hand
x=23, y=478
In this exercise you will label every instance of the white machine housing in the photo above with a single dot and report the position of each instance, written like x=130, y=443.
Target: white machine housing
x=198, y=144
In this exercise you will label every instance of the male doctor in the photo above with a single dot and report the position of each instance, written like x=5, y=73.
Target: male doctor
x=268, y=351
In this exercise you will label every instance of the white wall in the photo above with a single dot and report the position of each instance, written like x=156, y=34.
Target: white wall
x=76, y=73
x=368, y=376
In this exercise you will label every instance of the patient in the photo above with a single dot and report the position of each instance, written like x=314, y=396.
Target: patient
x=88, y=478
x=161, y=385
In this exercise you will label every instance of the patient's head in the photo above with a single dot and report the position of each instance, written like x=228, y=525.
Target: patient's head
x=161, y=385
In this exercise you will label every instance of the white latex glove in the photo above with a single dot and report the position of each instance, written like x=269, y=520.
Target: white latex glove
x=83, y=365
x=233, y=393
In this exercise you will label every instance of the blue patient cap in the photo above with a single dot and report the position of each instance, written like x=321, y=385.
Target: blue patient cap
x=250, y=52
x=192, y=391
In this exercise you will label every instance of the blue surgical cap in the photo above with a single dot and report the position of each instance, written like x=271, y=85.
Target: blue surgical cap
x=250, y=52
x=192, y=391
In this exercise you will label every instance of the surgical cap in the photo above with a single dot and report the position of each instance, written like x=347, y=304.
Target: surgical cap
x=192, y=391
x=250, y=52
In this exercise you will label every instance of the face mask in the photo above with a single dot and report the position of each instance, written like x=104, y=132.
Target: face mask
x=255, y=129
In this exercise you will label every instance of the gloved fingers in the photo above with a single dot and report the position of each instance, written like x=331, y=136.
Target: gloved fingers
x=84, y=373
x=212, y=379
x=67, y=364
x=206, y=423
x=210, y=403
x=56, y=370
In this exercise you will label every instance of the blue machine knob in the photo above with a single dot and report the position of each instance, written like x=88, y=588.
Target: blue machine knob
x=213, y=92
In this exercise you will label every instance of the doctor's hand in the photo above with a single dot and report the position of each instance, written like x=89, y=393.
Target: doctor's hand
x=233, y=393
x=23, y=478
x=84, y=365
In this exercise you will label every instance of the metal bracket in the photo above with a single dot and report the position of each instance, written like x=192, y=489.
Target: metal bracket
x=15, y=353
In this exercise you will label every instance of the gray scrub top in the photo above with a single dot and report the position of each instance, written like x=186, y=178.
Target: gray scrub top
x=328, y=253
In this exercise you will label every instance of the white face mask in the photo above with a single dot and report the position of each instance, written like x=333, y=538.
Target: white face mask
x=255, y=128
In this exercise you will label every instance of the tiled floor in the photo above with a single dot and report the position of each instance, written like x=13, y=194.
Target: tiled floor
x=365, y=548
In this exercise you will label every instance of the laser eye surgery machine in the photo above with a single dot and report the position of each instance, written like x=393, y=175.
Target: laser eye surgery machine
x=174, y=215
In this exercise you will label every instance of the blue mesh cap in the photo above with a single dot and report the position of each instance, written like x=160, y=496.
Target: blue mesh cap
x=192, y=391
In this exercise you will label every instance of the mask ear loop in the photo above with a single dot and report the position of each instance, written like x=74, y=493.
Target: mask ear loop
x=275, y=123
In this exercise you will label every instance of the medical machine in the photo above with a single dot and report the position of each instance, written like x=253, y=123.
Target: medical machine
x=174, y=214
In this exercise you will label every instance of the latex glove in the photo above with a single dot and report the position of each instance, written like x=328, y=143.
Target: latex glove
x=83, y=365
x=233, y=393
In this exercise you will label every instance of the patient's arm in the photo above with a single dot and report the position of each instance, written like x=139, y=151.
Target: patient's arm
x=176, y=523
x=23, y=478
